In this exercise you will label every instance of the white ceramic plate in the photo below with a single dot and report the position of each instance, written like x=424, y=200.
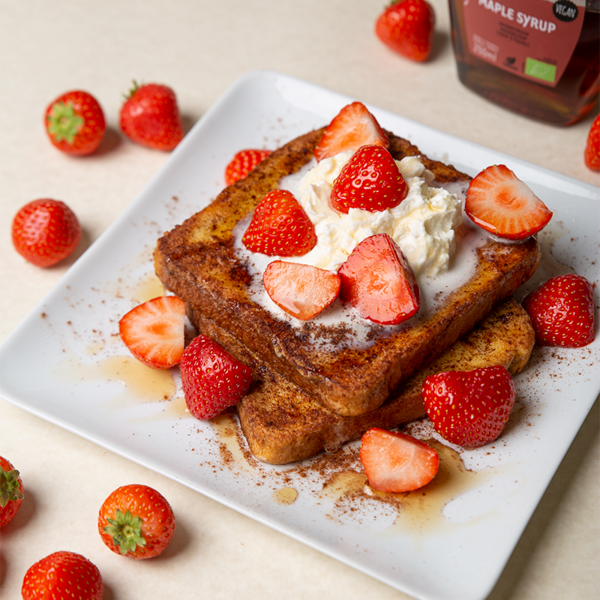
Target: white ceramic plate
x=452, y=542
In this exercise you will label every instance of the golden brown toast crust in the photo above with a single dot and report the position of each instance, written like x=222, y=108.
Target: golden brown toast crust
x=283, y=424
x=197, y=262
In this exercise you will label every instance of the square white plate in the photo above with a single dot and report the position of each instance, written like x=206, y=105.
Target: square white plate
x=452, y=546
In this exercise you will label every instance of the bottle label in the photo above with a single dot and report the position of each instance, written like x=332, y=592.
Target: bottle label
x=533, y=39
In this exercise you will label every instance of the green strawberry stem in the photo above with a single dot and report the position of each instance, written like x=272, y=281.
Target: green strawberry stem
x=126, y=532
x=64, y=122
x=9, y=487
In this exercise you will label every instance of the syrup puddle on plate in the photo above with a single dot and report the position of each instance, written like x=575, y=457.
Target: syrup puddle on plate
x=354, y=502
x=285, y=496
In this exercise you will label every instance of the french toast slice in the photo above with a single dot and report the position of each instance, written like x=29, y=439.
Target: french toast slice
x=198, y=262
x=283, y=424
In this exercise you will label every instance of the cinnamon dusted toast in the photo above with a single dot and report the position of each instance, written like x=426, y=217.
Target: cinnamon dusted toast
x=283, y=424
x=198, y=262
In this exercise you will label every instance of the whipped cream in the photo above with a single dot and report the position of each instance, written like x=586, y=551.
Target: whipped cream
x=423, y=224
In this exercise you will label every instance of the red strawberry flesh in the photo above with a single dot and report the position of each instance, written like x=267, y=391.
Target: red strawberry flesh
x=396, y=462
x=242, y=163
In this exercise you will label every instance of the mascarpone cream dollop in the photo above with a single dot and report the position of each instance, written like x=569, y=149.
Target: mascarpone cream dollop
x=423, y=224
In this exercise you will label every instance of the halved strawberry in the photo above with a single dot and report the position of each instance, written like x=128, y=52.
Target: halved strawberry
x=303, y=291
x=280, y=227
x=562, y=311
x=469, y=408
x=499, y=202
x=212, y=379
x=154, y=331
x=354, y=126
x=378, y=282
x=370, y=180
x=591, y=154
x=396, y=462
x=242, y=163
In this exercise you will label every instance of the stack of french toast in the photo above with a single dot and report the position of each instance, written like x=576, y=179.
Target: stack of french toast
x=306, y=398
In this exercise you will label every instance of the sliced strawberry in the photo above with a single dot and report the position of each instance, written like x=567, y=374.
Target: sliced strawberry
x=378, y=282
x=499, y=202
x=354, y=126
x=154, y=331
x=370, y=180
x=469, y=408
x=562, y=311
x=591, y=153
x=280, y=227
x=242, y=163
x=303, y=291
x=212, y=379
x=396, y=462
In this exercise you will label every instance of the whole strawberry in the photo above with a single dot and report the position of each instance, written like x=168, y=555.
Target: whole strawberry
x=45, y=232
x=407, y=27
x=469, y=408
x=280, y=227
x=370, y=180
x=62, y=575
x=562, y=311
x=136, y=521
x=75, y=123
x=212, y=379
x=11, y=492
x=150, y=116
x=242, y=163
x=592, y=148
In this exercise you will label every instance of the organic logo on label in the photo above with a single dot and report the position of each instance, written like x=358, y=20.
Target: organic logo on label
x=565, y=10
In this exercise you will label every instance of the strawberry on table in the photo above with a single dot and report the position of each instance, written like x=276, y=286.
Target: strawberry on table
x=378, y=282
x=591, y=154
x=407, y=27
x=469, y=408
x=136, y=521
x=280, y=227
x=243, y=162
x=302, y=291
x=499, y=202
x=396, y=462
x=11, y=491
x=154, y=331
x=150, y=116
x=45, y=232
x=562, y=311
x=370, y=180
x=212, y=379
x=75, y=123
x=354, y=126
x=63, y=575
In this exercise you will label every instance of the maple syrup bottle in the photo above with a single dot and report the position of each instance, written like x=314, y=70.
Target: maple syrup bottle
x=538, y=58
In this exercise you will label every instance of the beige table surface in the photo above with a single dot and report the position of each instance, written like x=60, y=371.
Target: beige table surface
x=200, y=47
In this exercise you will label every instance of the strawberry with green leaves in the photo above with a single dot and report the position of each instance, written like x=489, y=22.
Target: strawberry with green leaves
x=354, y=126
x=370, y=181
x=302, y=291
x=591, y=153
x=150, y=117
x=407, y=27
x=45, y=232
x=280, y=227
x=154, y=332
x=212, y=379
x=377, y=281
x=469, y=408
x=499, y=202
x=75, y=123
x=11, y=492
x=396, y=462
x=62, y=575
x=136, y=521
x=562, y=311
x=242, y=163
